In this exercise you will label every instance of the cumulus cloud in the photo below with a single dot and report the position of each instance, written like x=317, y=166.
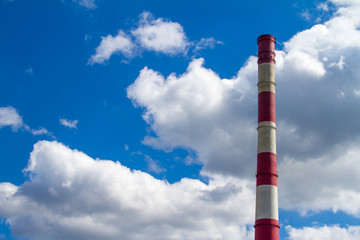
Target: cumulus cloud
x=308, y=102
x=324, y=232
x=151, y=34
x=346, y=3
x=216, y=117
x=326, y=181
x=69, y=123
x=200, y=110
x=110, y=45
x=72, y=196
x=9, y=116
x=160, y=35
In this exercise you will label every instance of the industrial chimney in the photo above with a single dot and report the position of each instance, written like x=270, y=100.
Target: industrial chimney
x=266, y=216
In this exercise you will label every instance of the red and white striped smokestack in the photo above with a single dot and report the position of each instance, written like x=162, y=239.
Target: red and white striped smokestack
x=266, y=216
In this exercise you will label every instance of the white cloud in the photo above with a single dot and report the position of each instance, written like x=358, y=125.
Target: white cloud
x=110, y=45
x=160, y=35
x=322, y=183
x=189, y=160
x=217, y=117
x=30, y=71
x=72, y=196
x=324, y=233
x=154, y=165
x=36, y=132
x=69, y=123
x=206, y=43
x=299, y=62
x=10, y=117
x=90, y=4
x=40, y=131
x=346, y=2
x=306, y=15
x=151, y=34
x=323, y=6
x=200, y=110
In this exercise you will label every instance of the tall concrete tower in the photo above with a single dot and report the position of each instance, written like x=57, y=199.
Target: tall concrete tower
x=266, y=216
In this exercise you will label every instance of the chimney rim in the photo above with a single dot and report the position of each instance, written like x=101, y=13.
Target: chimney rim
x=266, y=37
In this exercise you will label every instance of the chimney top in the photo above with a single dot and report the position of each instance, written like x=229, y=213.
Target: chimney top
x=266, y=49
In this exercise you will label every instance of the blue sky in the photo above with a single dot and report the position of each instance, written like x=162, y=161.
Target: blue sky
x=137, y=119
